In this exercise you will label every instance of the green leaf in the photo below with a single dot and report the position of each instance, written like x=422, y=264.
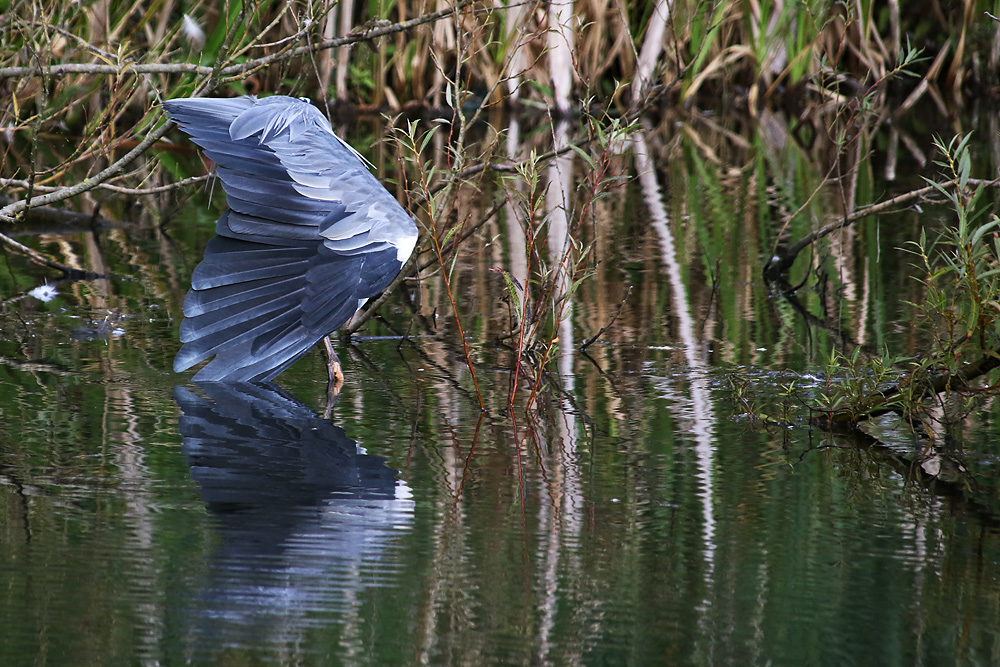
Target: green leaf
x=964, y=167
x=427, y=137
x=582, y=153
x=448, y=235
x=512, y=287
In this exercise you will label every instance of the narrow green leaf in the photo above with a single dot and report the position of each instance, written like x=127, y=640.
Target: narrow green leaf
x=582, y=153
x=427, y=137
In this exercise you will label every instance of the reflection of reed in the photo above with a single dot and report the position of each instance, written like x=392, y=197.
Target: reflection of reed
x=560, y=522
x=696, y=406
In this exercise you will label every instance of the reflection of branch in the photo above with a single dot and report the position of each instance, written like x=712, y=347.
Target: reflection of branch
x=961, y=488
x=39, y=258
x=590, y=341
x=35, y=366
x=843, y=338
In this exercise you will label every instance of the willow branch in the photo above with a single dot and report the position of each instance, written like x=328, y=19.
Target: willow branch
x=886, y=400
x=455, y=244
x=411, y=266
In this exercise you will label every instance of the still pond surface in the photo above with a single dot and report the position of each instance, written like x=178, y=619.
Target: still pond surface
x=629, y=517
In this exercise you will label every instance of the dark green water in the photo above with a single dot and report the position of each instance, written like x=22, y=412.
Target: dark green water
x=628, y=518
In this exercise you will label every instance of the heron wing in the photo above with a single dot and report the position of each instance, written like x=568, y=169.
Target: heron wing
x=294, y=259
x=280, y=162
x=257, y=185
x=258, y=307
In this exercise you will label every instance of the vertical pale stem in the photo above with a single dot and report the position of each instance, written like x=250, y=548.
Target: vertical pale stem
x=324, y=59
x=560, y=41
x=652, y=48
x=344, y=53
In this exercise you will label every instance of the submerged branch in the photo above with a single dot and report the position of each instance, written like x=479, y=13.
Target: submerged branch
x=888, y=400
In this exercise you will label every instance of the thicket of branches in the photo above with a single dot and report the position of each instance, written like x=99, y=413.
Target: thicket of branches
x=82, y=83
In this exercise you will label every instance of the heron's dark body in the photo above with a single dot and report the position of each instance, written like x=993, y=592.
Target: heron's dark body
x=309, y=237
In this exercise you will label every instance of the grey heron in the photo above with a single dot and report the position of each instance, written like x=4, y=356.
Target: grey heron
x=308, y=237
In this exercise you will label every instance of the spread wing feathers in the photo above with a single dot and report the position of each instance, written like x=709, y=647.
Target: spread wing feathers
x=280, y=161
x=259, y=307
x=255, y=181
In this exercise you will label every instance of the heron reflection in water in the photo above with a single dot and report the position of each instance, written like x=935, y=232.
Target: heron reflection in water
x=306, y=518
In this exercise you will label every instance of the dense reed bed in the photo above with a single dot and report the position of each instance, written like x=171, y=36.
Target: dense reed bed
x=87, y=63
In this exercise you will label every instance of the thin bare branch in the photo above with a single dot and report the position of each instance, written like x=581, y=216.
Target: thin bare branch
x=780, y=264
x=19, y=183
x=10, y=211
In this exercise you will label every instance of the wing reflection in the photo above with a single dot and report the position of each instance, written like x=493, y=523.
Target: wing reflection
x=306, y=518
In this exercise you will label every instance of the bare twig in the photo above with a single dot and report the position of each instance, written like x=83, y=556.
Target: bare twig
x=18, y=183
x=780, y=264
x=10, y=211
x=454, y=245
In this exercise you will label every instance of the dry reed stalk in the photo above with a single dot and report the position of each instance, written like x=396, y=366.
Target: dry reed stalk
x=652, y=49
x=515, y=38
x=346, y=11
x=603, y=41
x=717, y=65
x=324, y=60
x=560, y=41
x=956, y=72
x=924, y=86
